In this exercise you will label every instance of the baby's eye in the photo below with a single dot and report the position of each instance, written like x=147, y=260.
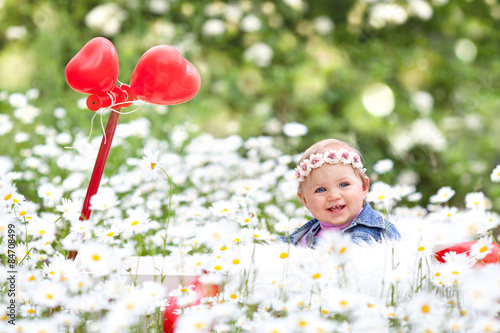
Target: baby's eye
x=344, y=184
x=321, y=189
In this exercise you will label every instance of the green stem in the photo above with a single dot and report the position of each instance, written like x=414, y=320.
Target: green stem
x=496, y=245
x=170, y=199
x=25, y=256
x=61, y=249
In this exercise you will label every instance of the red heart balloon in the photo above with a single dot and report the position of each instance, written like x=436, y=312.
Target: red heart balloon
x=163, y=76
x=94, y=69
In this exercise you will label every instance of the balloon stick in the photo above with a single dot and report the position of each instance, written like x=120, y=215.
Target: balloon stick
x=99, y=165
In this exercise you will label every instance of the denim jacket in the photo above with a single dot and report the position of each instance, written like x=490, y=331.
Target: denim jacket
x=369, y=226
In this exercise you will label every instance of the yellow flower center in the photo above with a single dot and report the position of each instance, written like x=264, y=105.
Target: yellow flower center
x=425, y=309
x=31, y=311
x=421, y=248
x=22, y=213
x=184, y=290
x=135, y=223
x=236, y=261
x=342, y=250
x=381, y=197
x=224, y=210
x=224, y=248
x=49, y=296
x=217, y=268
x=109, y=234
x=32, y=278
x=283, y=255
x=483, y=249
x=153, y=165
x=316, y=276
x=96, y=257
x=233, y=296
x=7, y=197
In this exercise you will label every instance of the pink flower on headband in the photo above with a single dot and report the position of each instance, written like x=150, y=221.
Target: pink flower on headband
x=331, y=157
x=316, y=160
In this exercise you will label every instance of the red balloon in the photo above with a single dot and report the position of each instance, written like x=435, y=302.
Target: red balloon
x=492, y=257
x=163, y=76
x=201, y=290
x=94, y=69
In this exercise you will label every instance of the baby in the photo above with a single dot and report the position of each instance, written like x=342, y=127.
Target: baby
x=333, y=186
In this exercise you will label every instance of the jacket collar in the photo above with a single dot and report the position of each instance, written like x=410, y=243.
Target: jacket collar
x=367, y=217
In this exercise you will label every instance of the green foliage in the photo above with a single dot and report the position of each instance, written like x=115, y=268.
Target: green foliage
x=315, y=78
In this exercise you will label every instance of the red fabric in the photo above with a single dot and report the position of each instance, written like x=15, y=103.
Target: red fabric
x=492, y=257
x=200, y=289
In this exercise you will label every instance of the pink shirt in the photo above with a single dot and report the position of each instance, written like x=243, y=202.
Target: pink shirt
x=326, y=227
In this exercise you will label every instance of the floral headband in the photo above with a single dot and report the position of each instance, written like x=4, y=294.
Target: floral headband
x=331, y=157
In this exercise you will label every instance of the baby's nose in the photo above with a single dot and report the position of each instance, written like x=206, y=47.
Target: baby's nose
x=333, y=195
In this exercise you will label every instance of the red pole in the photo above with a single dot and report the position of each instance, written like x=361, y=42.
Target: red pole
x=100, y=162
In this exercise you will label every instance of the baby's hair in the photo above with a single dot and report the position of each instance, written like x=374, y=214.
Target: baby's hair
x=324, y=145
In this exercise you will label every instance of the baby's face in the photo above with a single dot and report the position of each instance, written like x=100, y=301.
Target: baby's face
x=333, y=193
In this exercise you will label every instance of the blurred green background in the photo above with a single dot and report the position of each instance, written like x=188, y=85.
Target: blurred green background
x=413, y=81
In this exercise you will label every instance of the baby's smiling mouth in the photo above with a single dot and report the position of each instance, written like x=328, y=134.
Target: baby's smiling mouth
x=336, y=209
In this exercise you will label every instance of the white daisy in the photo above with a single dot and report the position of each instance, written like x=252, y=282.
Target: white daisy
x=481, y=248
x=443, y=195
x=383, y=166
x=495, y=174
x=71, y=210
x=149, y=164
x=104, y=199
x=475, y=200
x=98, y=258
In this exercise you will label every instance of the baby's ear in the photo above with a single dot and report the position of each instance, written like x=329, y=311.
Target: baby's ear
x=366, y=184
x=302, y=198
